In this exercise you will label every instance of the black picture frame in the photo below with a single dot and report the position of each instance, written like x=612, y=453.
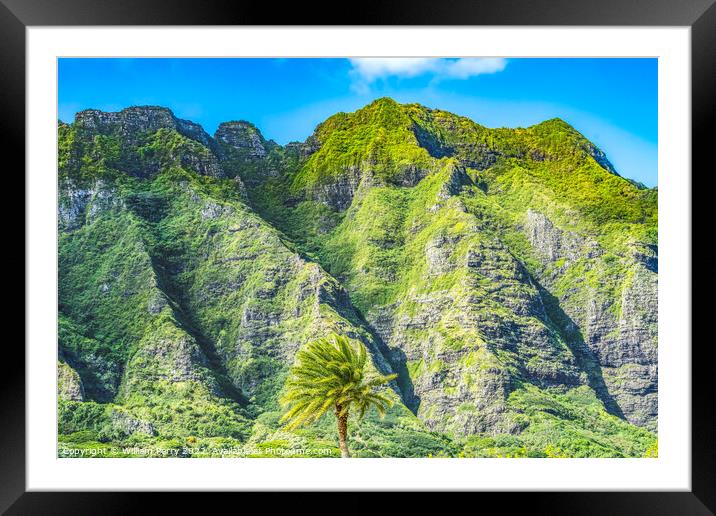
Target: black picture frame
x=700, y=15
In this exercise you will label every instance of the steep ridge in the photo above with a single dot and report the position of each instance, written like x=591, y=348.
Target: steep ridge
x=181, y=309
x=508, y=276
x=521, y=185
x=121, y=332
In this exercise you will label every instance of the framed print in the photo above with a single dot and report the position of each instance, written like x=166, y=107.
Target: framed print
x=441, y=249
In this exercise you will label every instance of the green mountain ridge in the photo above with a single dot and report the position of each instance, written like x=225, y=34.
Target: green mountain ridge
x=507, y=275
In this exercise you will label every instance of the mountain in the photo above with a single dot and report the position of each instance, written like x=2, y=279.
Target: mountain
x=509, y=277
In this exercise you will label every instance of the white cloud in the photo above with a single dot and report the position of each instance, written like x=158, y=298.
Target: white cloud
x=370, y=69
x=367, y=70
x=472, y=66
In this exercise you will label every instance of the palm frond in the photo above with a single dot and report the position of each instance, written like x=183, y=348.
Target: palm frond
x=330, y=373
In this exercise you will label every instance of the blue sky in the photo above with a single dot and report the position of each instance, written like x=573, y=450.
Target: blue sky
x=612, y=101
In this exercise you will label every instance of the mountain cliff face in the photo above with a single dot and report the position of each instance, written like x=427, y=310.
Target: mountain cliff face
x=509, y=277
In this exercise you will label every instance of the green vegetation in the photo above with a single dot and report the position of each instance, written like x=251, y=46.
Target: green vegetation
x=331, y=374
x=378, y=135
x=470, y=262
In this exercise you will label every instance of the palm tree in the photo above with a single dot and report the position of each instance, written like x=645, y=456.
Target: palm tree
x=330, y=374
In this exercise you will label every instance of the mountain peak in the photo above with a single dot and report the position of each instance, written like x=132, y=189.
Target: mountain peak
x=135, y=120
x=93, y=118
x=556, y=121
x=383, y=106
x=239, y=123
x=383, y=101
x=563, y=134
x=237, y=127
x=243, y=137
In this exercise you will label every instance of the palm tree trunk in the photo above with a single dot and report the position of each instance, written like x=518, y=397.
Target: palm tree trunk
x=343, y=432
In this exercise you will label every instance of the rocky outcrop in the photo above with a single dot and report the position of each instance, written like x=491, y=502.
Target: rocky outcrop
x=601, y=158
x=173, y=358
x=72, y=205
x=135, y=150
x=243, y=139
x=206, y=164
x=457, y=178
x=620, y=333
x=80, y=204
x=554, y=244
x=345, y=184
x=626, y=345
x=213, y=210
x=646, y=254
x=473, y=154
x=340, y=192
x=134, y=122
x=302, y=150
x=244, y=153
x=128, y=425
x=69, y=384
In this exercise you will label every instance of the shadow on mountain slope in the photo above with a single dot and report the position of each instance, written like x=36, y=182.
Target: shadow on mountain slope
x=584, y=356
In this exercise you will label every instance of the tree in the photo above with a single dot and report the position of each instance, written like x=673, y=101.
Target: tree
x=330, y=373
